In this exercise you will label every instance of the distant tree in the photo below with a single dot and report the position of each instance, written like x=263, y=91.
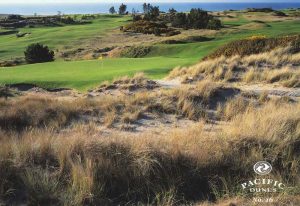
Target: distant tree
x=180, y=20
x=112, y=10
x=170, y=17
x=133, y=11
x=122, y=9
x=198, y=18
x=14, y=17
x=146, y=8
x=37, y=53
x=152, y=14
x=172, y=11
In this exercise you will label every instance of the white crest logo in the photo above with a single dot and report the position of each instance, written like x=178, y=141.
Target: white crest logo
x=262, y=168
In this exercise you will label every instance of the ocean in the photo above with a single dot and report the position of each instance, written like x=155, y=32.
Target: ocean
x=93, y=8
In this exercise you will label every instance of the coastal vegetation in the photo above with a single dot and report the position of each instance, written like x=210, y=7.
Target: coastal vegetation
x=132, y=109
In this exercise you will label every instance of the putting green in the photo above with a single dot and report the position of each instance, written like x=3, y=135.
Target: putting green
x=83, y=75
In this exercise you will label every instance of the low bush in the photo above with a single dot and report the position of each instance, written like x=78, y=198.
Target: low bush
x=259, y=10
x=214, y=24
x=189, y=39
x=38, y=53
x=279, y=13
x=147, y=27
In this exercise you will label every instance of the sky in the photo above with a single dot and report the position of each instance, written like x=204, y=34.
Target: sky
x=126, y=1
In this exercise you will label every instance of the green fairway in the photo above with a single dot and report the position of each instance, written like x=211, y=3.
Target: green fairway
x=200, y=49
x=83, y=75
x=59, y=36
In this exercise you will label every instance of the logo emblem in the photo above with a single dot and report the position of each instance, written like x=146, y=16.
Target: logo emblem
x=262, y=168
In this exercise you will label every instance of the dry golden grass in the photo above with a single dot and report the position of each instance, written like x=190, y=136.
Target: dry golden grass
x=80, y=167
x=23, y=113
x=286, y=76
x=280, y=65
x=137, y=82
x=233, y=107
x=258, y=123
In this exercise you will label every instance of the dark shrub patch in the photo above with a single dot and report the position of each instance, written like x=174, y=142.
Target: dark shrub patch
x=260, y=10
x=279, y=13
x=37, y=53
x=189, y=39
x=214, y=24
x=146, y=27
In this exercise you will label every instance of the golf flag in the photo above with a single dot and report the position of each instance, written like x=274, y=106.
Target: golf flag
x=101, y=59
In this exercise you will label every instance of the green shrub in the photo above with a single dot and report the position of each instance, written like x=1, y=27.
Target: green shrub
x=214, y=24
x=279, y=13
x=122, y=9
x=152, y=14
x=146, y=27
x=180, y=20
x=37, y=53
x=260, y=10
x=112, y=10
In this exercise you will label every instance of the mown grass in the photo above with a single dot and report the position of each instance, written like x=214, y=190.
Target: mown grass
x=83, y=75
x=59, y=36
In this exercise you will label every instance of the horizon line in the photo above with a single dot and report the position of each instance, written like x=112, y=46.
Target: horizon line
x=151, y=1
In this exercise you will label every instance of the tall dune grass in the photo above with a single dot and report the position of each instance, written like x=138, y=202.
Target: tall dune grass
x=79, y=166
x=276, y=66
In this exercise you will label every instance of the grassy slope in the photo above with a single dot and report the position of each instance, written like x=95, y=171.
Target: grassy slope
x=200, y=49
x=86, y=74
x=56, y=37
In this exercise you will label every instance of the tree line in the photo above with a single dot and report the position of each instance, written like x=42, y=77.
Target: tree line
x=195, y=19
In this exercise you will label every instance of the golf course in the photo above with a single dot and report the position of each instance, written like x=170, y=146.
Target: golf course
x=150, y=107
x=85, y=74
